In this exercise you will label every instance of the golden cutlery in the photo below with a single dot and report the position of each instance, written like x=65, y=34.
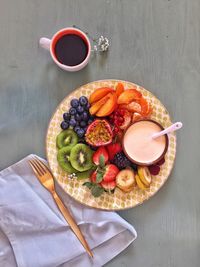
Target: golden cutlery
x=47, y=180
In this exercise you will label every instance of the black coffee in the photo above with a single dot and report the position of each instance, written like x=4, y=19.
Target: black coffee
x=71, y=50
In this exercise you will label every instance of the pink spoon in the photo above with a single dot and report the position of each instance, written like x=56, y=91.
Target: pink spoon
x=172, y=128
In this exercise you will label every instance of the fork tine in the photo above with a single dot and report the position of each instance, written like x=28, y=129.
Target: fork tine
x=40, y=166
x=34, y=167
x=37, y=163
x=45, y=168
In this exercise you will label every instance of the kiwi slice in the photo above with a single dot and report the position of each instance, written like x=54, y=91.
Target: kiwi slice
x=81, y=157
x=67, y=138
x=63, y=159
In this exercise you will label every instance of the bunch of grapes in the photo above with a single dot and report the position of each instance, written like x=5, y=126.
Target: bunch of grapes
x=78, y=116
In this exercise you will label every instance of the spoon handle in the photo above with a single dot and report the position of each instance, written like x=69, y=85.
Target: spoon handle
x=172, y=128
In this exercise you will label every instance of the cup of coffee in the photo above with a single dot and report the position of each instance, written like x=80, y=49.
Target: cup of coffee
x=70, y=48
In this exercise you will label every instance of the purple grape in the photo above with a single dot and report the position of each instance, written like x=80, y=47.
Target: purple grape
x=80, y=133
x=66, y=116
x=64, y=125
x=72, y=111
x=83, y=100
x=85, y=116
x=74, y=103
x=77, y=128
x=83, y=124
x=87, y=106
x=80, y=109
x=72, y=122
x=78, y=117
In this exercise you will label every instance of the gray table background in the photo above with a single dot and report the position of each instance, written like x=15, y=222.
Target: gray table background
x=155, y=43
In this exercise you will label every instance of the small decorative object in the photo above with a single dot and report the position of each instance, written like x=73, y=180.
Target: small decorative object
x=101, y=44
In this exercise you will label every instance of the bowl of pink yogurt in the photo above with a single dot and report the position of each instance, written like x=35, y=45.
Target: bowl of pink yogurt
x=139, y=146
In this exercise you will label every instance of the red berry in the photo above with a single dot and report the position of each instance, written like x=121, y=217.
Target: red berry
x=121, y=119
x=116, y=130
x=100, y=151
x=154, y=169
x=121, y=112
x=110, y=173
x=113, y=149
x=161, y=162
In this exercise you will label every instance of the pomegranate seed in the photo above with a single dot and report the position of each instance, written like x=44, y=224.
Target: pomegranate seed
x=121, y=119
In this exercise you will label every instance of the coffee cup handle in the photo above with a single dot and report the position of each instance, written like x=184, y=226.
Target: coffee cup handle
x=45, y=43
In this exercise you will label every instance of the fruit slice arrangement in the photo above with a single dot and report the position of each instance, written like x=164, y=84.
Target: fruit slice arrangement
x=89, y=144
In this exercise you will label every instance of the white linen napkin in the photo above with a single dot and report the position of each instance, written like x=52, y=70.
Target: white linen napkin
x=33, y=232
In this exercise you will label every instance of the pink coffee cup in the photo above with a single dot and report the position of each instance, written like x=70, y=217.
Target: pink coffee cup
x=50, y=45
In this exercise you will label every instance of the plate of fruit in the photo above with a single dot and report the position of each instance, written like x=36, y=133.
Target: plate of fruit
x=85, y=145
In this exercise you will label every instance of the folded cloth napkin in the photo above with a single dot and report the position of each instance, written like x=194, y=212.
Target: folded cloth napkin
x=33, y=232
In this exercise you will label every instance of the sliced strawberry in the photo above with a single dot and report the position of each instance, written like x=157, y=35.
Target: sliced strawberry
x=161, y=162
x=110, y=173
x=108, y=186
x=154, y=169
x=113, y=149
x=100, y=151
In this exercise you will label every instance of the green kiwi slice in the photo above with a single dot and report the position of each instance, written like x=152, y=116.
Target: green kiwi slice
x=63, y=159
x=81, y=157
x=67, y=138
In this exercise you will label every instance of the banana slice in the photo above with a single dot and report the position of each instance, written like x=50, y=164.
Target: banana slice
x=144, y=175
x=125, y=180
x=140, y=183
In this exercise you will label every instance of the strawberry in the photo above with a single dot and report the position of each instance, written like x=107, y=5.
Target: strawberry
x=100, y=151
x=111, y=172
x=113, y=149
x=108, y=186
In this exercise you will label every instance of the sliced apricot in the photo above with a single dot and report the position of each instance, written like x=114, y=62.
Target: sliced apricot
x=97, y=105
x=144, y=106
x=128, y=96
x=119, y=89
x=99, y=93
x=108, y=107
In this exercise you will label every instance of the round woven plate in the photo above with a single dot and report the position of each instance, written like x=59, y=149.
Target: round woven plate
x=118, y=200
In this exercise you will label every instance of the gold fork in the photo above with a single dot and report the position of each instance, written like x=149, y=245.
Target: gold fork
x=47, y=180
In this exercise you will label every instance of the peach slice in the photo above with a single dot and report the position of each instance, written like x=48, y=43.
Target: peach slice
x=146, y=108
x=97, y=105
x=119, y=89
x=108, y=107
x=99, y=93
x=128, y=96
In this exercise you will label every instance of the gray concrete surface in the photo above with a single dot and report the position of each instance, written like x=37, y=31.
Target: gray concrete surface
x=155, y=43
